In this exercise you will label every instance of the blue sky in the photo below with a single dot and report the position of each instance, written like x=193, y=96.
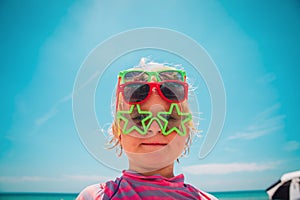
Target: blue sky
x=254, y=44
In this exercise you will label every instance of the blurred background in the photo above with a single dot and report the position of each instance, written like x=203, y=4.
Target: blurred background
x=254, y=44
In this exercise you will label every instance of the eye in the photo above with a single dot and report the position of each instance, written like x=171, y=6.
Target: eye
x=170, y=117
x=138, y=117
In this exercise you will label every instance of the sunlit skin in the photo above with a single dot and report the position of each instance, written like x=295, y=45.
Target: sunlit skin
x=154, y=140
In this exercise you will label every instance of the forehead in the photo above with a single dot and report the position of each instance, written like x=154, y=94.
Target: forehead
x=153, y=67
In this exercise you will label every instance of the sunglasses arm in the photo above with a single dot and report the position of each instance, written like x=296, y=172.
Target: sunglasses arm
x=117, y=93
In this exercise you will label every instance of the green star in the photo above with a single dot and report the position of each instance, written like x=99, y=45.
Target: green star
x=184, y=117
x=126, y=116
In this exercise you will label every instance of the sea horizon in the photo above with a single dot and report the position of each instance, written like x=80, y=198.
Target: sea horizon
x=45, y=192
x=221, y=195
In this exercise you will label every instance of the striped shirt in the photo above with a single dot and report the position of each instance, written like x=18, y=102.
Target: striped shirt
x=134, y=186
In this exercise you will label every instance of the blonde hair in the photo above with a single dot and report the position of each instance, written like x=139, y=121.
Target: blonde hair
x=115, y=128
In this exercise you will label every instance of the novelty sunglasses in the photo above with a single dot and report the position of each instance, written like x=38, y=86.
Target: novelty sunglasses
x=138, y=92
x=142, y=120
x=144, y=76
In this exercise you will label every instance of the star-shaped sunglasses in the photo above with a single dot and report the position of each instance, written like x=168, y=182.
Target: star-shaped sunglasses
x=136, y=119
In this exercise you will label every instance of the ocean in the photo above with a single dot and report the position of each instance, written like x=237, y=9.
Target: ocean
x=242, y=195
x=239, y=195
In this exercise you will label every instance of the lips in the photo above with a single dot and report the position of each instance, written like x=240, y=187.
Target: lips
x=154, y=144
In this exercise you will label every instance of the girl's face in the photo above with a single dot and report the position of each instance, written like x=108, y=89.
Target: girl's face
x=154, y=140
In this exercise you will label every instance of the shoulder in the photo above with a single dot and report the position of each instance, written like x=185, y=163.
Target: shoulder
x=207, y=195
x=202, y=194
x=92, y=192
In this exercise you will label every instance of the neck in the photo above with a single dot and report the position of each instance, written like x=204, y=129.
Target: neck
x=165, y=171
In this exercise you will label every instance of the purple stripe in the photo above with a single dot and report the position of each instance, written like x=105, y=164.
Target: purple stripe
x=135, y=186
x=173, y=194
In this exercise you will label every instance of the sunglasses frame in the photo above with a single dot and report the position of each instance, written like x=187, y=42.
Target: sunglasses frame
x=154, y=73
x=154, y=85
x=162, y=122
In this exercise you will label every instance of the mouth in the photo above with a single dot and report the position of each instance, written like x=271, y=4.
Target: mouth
x=154, y=144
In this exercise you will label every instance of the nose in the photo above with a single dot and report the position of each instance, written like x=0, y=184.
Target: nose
x=154, y=90
x=154, y=128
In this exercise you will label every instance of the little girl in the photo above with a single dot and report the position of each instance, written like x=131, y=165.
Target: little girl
x=153, y=126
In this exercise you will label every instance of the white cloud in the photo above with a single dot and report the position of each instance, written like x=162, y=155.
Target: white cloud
x=268, y=78
x=54, y=109
x=264, y=123
x=89, y=178
x=52, y=112
x=48, y=115
x=17, y=179
x=292, y=146
x=227, y=168
x=64, y=178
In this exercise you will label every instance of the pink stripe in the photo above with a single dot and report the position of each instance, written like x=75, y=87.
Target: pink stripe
x=141, y=189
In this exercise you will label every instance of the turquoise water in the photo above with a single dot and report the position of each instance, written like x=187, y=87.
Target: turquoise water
x=240, y=195
x=37, y=196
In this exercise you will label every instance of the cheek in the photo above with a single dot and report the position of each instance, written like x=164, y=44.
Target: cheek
x=129, y=142
x=172, y=135
x=181, y=143
x=177, y=141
